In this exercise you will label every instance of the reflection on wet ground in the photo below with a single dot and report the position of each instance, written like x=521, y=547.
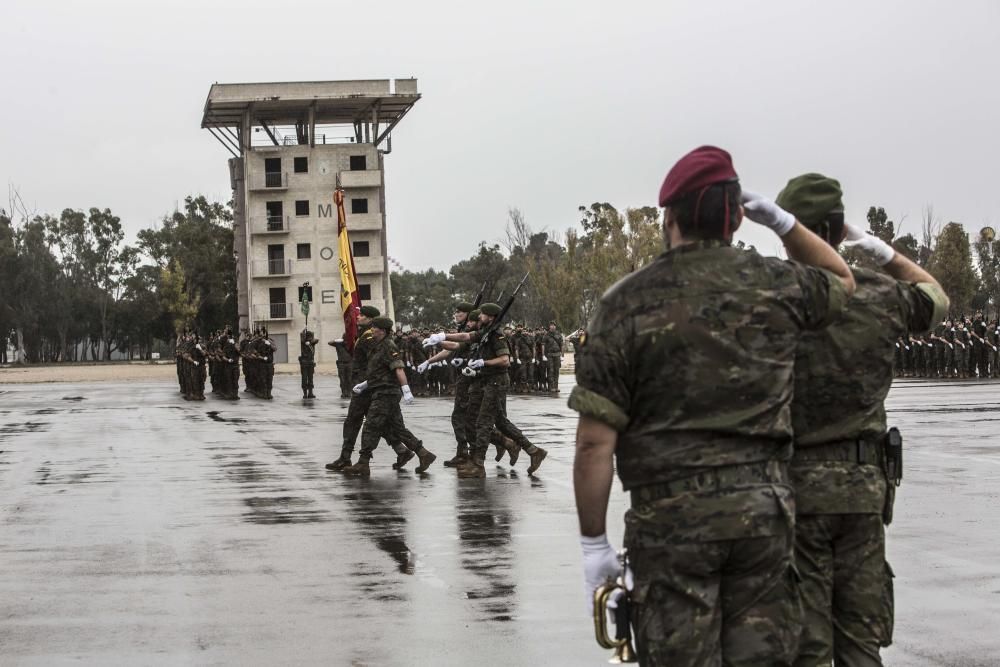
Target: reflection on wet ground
x=138, y=528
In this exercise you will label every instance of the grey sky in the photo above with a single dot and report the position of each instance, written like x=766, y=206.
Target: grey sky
x=542, y=109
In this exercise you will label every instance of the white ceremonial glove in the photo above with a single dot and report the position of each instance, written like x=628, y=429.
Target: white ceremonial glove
x=196, y=363
x=629, y=581
x=230, y=361
x=268, y=343
x=409, y=365
x=232, y=342
x=545, y=358
x=600, y=563
x=876, y=248
x=457, y=361
x=765, y=212
x=407, y=394
x=200, y=347
x=469, y=372
x=422, y=368
x=517, y=361
x=476, y=364
x=435, y=339
x=359, y=388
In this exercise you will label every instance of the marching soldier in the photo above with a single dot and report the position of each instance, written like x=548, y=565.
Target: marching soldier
x=685, y=380
x=385, y=384
x=842, y=469
x=359, y=401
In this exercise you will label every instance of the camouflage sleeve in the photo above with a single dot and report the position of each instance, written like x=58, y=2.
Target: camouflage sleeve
x=393, y=357
x=500, y=348
x=601, y=390
x=924, y=304
x=824, y=296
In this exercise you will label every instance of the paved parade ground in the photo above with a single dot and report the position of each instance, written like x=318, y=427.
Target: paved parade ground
x=137, y=528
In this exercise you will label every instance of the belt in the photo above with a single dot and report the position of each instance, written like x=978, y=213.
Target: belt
x=713, y=479
x=855, y=450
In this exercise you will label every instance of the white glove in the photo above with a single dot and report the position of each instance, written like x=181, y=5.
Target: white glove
x=359, y=388
x=765, y=212
x=517, y=361
x=409, y=365
x=600, y=563
x=232, y=342
x=200, y=347
x=476, y=364
x=879, y=250
x=457, y=361
x=435, y=339
x=407, y=394
x=196, y=363
x=545, y=358
x=469, y=372
x=422, y=368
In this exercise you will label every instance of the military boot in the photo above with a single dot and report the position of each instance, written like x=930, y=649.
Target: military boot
x=360, y=468
x=341, y=463
x=402, y=458
x=513, y=449
x=472, y=468
x=426, y=459
x=461, y=456
x=311, y=394
x=537, y=457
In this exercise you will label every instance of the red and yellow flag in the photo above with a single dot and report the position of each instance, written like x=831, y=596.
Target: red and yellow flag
x=350, y=302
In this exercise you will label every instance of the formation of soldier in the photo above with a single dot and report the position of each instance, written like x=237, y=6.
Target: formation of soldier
x=740, y=400
x=189, y=356
x=535, y=361
x=964, y=347
x=257, y=351
x=478, y=354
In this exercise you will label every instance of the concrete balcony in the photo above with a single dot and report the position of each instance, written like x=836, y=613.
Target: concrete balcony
x=272, y=224
x=370, y=178
x=268, y=181
x=272, y=312
x=364, y=222
x=369, y=264
x=271, y=268
x=300, y=266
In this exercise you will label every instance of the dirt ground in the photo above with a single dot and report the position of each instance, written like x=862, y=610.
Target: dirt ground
x=114, y=371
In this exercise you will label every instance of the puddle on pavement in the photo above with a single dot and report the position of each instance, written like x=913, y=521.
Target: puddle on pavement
x=73, y=398
x=484, y=537
x=215, y=415
x=271, y=510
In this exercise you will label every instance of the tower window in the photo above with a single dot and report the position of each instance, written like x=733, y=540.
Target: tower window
x=365, y=292
x=361, y=249
x=359, y=162
x=302, y=207
x=301, y=165
x=359, y=206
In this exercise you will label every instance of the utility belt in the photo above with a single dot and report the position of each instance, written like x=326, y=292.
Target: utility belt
x=714, y=479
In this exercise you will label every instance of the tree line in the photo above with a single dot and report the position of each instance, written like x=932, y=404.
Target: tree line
x=71, y=289
x=570, y=273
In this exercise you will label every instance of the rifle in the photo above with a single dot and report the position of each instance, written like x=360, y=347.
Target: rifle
x=475, y=304
x=498, y=320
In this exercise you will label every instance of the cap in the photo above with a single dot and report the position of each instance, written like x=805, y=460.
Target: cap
x=698, y=169
x=811, y=198
x=474, y=315
x=370, y=311
x=490, y=309
x=382, y=323
x=464, y=307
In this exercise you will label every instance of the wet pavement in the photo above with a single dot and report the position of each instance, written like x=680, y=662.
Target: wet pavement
x=137, y=528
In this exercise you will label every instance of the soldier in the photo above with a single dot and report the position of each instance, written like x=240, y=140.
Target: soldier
x=541, y=361
x=942, y=348
x=307, y=361
x=231, y=366
x=343, y=366
x=359, y=402
x=385, y=384
x=488, y=393
x=843, y=489
x=993, y=336
x=552, y=344
x=576, y=340
x=686, y=379
x=963, y=354
x=525, y=359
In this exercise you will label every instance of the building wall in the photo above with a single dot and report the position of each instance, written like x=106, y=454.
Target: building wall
x=316, y=228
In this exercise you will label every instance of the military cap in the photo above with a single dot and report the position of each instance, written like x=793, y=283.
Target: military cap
x=382, y=323
x=474, y=315
x=370, y=311
x=490, y=309
x=811, y=198
x=464, y=307
x=695, y=171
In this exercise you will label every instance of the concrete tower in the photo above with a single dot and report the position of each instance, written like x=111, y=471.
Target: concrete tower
x=292, y=144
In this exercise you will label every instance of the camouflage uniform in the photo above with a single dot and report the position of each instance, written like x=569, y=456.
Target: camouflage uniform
x=525, y=358
x=343, y=367
x=553, y=346
x=384, y=419
x=359, y=402
x=691, y=360
x=307, y=362
x=842, y=376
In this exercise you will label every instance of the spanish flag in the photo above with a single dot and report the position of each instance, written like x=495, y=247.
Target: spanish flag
x=350, y=302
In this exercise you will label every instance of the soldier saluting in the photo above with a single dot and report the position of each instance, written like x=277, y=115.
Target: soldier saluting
x=686, y=378
x=840, y=471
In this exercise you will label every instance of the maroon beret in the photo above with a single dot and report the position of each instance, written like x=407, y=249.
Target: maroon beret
x=698, y=169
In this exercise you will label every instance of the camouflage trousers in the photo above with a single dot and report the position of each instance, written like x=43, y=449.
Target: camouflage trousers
x=846, y=589
x=459, y=413
x=308, y=369
x=715, y=582
x=355, y=418
x=385, y=420
x=555, y=362
x=486, y=417
x=344, y=375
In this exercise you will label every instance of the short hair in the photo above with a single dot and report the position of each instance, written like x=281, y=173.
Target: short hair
x=702, y=214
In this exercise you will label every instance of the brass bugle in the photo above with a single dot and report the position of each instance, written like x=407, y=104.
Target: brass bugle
x=622, y=647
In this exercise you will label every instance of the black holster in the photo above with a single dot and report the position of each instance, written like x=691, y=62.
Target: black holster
x=893, y=468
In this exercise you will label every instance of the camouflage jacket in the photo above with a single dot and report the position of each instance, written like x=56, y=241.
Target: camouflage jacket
x=842, y=376
x=359, y=357
x=691, y=359
x=553, y=344
x=383, y=360
x=494, y=346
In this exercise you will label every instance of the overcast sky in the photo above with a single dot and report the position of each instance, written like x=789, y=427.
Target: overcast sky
x=542, y=109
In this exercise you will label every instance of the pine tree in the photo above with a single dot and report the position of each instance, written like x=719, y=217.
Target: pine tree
x=952, y=266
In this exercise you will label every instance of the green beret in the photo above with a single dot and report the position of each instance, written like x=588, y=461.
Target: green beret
x=370, y=311
x=382, y=323
x=490, y=309
x=474, y=315
x=464, y=307
x=811, y=198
